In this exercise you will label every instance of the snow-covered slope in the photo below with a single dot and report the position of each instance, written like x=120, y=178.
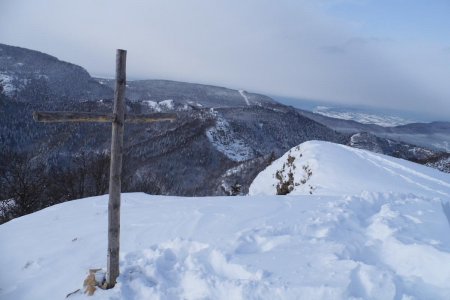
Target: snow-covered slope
x=324, y=168
x=367, y=246
x=225, y=140
x=387, y=238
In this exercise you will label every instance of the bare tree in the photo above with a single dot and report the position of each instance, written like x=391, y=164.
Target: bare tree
x=22, y=182
x=99, y=172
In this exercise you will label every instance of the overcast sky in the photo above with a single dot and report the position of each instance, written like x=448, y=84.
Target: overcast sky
x=382, y=53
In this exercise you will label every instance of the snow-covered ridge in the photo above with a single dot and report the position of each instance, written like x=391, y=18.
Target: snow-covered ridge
x=324, y=168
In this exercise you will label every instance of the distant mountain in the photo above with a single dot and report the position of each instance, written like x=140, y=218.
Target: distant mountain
x=28, y=75
x=220, y=141
x=434, y=135
x=364, y=117
x=222, y=137
x=358, y=112
x=191, y=94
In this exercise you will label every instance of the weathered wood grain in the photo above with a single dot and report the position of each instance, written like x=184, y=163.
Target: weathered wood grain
x=88, y=117
x=116, y=171
x=67, y=116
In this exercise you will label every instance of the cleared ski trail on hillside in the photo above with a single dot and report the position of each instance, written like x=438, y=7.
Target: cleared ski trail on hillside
x=242, y=92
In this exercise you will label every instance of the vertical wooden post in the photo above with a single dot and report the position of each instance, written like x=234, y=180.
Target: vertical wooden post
x=115, y=171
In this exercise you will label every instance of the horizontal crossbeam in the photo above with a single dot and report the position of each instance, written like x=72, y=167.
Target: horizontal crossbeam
x=150, y=118
x=66, y=116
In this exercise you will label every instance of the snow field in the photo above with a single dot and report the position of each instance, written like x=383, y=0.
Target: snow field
x=368, y=246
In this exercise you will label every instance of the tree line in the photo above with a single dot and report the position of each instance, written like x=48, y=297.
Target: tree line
x=29, y=184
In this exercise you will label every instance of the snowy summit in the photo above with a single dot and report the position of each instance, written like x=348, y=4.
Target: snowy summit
x=353, y=225
x=324, y=168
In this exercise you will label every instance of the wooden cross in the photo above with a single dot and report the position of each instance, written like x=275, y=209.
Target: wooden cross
x=118, y=118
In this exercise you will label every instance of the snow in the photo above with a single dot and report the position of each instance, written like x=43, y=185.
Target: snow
x=151, y=104
x=242, y=92
x=225, y=140
x=384, y=240
x=193, y=103
x=384, y=120
x=6, y=206
x=354, y=139
x=167, y=104
x=342, y=170
x=442, y=164
x=7, y=82
x=13, y=84
x=160, y=106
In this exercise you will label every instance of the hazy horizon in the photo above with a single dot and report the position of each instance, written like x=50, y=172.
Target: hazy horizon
x=386, y=54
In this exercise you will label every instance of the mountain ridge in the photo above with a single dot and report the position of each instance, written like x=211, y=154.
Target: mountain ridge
x=219, y=143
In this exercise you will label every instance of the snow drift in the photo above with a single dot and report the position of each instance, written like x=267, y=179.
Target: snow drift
x=391, y=241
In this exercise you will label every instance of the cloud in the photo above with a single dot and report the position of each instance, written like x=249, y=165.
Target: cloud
x=333, y=49
x=353, y=43
x=287, y=48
